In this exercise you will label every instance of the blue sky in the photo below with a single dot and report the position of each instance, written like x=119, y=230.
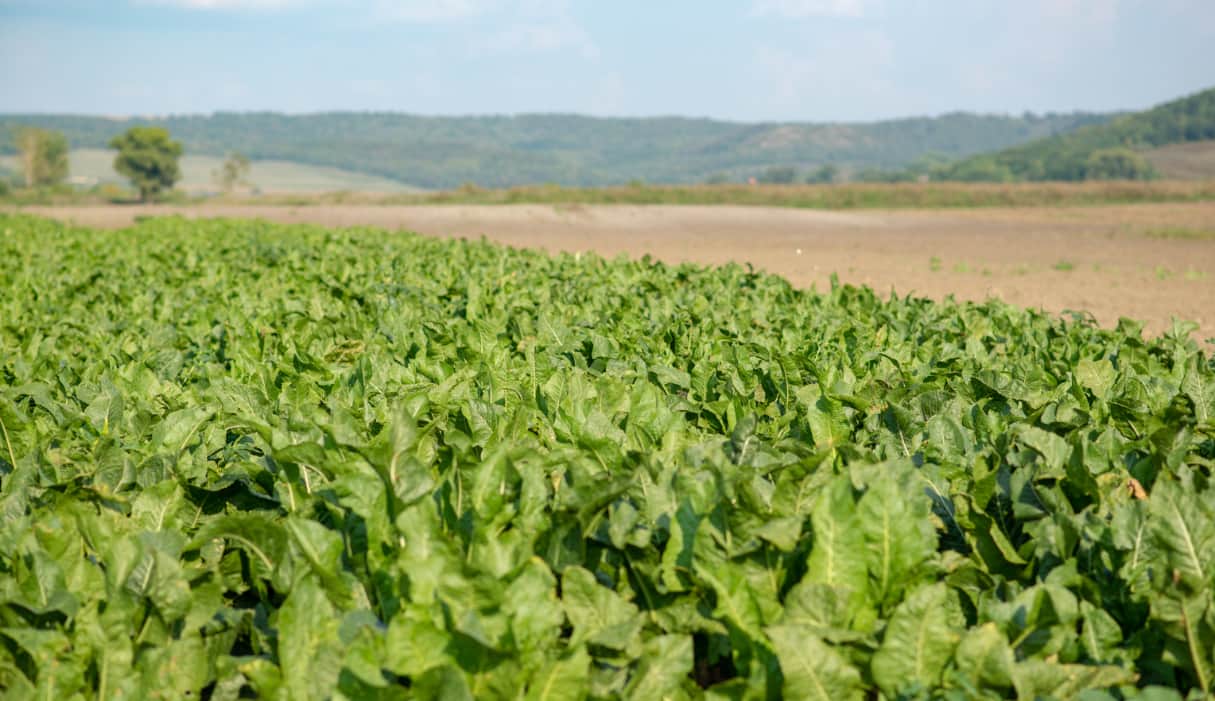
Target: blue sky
x=802, y=60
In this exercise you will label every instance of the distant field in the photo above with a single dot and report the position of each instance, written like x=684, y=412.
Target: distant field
x=842, y=196
x=293, y=185
x=1194, y=160
x=96, y=166
x=1150, y=262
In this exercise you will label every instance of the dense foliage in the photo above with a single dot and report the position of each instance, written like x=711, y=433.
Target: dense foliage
x=43, y=156
x=1098, y=151
x=148, y=157
x=245, y=458
x=501, y=151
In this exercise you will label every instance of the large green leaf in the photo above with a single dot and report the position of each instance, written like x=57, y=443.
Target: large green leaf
x=811, y=668
x=565, y=678
x=838, y=555
x=985, y=657
x=665, y=662
x=1184, y=528
x=309, y=650
x=899, y=536
x=599, y=615
x=919, y=640
x=1037, y=679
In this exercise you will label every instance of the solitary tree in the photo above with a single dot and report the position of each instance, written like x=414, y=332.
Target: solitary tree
x=825, y=174
x=778, y=175
x=234, y=171
x=1117, y=164
x=44, y=156
x=148, y=157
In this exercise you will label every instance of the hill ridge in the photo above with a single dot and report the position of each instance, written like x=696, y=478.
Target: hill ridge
x=1071, y=156
x=506, y=150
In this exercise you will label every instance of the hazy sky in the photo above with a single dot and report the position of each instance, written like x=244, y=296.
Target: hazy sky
x=804, y=60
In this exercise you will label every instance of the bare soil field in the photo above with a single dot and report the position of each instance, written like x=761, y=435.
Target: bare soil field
x=1151, y=262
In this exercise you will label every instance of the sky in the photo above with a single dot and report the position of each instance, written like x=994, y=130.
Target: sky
x=743, y=60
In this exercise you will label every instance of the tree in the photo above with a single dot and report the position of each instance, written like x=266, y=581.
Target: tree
x=44, y=156
x=148, y=158
x=978, y=170
x=1117, y=164
x=234, y=171
x=825, y=174
x=878, y=175
x=778, y=175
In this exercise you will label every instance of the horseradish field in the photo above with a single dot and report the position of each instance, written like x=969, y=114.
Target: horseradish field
x=244, y=460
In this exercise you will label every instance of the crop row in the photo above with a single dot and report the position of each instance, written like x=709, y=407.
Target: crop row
x=240, y=458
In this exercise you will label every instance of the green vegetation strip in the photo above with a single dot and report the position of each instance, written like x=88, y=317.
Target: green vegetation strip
x=849, y=196
x=839, y=197
x=1181, y=233
x=246, y=459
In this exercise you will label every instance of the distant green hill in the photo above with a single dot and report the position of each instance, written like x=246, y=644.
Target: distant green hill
x=1103, y=151
x=497, y=151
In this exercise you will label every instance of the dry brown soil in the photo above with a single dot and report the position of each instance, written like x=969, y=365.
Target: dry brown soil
x=1150, y=262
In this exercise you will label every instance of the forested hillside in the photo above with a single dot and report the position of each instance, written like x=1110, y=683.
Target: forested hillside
x=1100, y=151
x=568, y=149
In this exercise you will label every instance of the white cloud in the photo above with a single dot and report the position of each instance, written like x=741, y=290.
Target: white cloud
x=497, y=27
x=802, y=9
x=542, y=36
x=1095, y=17
x=1090, y=12
x=518, y=26
x=608, y=97
x=422, y=11
x=501, y=26
x=841, y=77
x=1063, y=32
x=490, y=27
x=440, y=11
x=435, y=11
x=230, y=4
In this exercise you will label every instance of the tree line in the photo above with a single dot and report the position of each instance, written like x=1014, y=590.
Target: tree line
x=1097, y=152
x=573, y=150
x=148, y=157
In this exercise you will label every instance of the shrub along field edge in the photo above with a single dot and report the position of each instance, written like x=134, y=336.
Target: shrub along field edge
x=838, y=196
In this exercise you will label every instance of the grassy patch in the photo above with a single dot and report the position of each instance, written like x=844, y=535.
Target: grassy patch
x=1181, y=233
x=840, y=197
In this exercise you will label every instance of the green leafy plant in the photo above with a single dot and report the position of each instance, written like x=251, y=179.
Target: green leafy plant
x=248, y=460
